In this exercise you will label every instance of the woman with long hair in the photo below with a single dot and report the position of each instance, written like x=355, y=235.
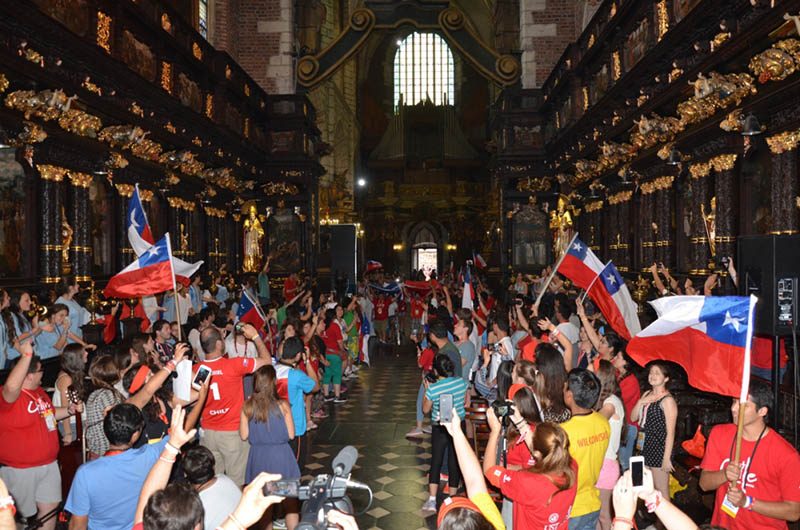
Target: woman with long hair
x=266, y=422
x=66, y=289
x=550, y=383
x=630, y=393
x=72, y=376
x=19, y=327
x=610, y=406
x=505, y=375
x=543, y=493
x=657, y=414
x=54, y=333
x=104, y=374
x=334, y=351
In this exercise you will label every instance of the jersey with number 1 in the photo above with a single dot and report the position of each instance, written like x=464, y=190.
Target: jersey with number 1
x=225, y=392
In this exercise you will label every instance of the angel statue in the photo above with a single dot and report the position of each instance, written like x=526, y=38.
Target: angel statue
x=561, y=224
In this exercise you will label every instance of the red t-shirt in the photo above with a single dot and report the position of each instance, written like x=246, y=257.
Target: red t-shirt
x=417, y=308
x=331, y=337
x=29, y=422
x=225, y=392
x=531, y=493
x=425, y=360
x=381, y=308
x=289, y=288
x=771, y=475
x=520, y=455
x=762, y=353
x=527, y=348
x=629, y=387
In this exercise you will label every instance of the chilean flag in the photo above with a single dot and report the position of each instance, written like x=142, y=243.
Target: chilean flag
x=709, y=336
x=149, y=274
x=250, y=312
x=613, y=299
x=479, y=261
x=466, y=298
x=580, y=264
x=373, y=266
x=141, y=239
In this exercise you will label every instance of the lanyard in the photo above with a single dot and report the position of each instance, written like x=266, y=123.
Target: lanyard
x=745, y=472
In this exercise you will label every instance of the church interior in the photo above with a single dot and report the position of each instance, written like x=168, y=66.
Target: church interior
x=429, y=137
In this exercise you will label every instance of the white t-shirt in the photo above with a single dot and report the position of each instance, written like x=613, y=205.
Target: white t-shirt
x=570, y=331
x=393, y=308
x=219, y=500
x=182, y=384
x=248, y=349
x=194, y=340
x=616, y=426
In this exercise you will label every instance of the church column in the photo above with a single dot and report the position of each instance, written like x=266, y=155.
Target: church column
x=646, y=235
x=725, y=216
x=213, y=240
x=50, y=204
x=233, y=238
x=123, y=246
x=696, y=194
x=623, y=261
x=620, y=228
x=784, y=187
x=79, y=218
x=592, y=212
x=664, y=197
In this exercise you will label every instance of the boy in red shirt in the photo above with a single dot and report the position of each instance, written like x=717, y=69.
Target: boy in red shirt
x=381, y=309
x=763, y=488
x=29, y=438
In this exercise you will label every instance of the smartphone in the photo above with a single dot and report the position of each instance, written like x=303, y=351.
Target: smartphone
x=637, y=472
x=239, y=327
x=200, y=378
x=282, y=488
x=445, y=408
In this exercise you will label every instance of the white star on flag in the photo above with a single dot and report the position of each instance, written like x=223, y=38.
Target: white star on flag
x=577, y=246
x=611, y=279
x=153, y=251
x=732, y=321
x=133, y=221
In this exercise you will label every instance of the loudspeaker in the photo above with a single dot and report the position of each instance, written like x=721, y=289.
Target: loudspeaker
x=769, y=267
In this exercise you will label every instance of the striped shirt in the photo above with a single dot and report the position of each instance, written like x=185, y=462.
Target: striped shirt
x=451, y=385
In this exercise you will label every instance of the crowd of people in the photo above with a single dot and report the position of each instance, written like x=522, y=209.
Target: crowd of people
x=544, y=389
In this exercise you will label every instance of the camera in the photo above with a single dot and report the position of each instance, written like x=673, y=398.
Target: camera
x=502, y=409
x=326, y=492
x=494, y=347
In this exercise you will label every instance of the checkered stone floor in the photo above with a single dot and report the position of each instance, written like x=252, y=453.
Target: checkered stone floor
x=380, y=410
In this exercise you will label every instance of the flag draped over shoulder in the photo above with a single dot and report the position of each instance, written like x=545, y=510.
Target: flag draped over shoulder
x=707, y=335
x=141, y=239
x=149, y=274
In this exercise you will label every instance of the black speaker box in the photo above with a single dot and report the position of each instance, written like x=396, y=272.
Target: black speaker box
x=762, y=263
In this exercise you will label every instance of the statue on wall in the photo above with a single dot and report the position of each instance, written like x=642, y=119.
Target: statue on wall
x=310, y=17
x=561, y=224
x=184, y=248
x=710, y=223
x=66, y=237
x=253, y=237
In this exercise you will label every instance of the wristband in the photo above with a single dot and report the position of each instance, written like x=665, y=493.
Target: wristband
x=171, y=448
x=235, y=521
x=623, y=520
x=654, y=501
x=8, y=503
x=748, y=503
x=167, y=460
x=170, y=365
x=554, y=333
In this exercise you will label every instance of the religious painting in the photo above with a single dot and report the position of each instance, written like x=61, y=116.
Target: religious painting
x=138, y=56
x=681, y=8
x=189, y=93
x=74, y=14
x=12, y=215
x=100, y=226
x=282, y=141
x=285, y=233
x=527, y=137
x=530, y=239
x=637, y=44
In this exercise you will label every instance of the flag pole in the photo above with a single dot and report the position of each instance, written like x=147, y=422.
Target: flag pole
x=174, y=289
x=745, y=381
x=586, y=292
x=555, y=268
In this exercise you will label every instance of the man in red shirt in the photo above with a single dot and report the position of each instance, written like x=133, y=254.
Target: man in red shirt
x=29, y=438
x=417, y=309
x=763, y=488
x=290, y=286
x=222, y=409
x=381, y=309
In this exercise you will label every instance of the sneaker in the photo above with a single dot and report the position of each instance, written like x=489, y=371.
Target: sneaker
x=310, y=426
x=319, y=414
x=430, y=505
x=329, y=398
x=340, y=399
x=279, y=524
x=426, y=429
x=415, y=433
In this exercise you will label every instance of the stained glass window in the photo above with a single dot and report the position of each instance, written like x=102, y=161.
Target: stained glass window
x=202, y=17
x=423, y=69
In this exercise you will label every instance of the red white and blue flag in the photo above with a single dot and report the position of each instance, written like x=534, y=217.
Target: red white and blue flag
x=479, y=261
x=141, y=238
x=468, y=296
x=151, y=273
x=373, y=265
x=709, y=336
x=580, y=264
x=612, y=298
x=250, y=312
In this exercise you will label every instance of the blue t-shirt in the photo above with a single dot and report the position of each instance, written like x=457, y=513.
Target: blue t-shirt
x=263, y=286
x=21, y=325
x=45, y=343
x=78, y=316
x=299, y=385
x=107, y=489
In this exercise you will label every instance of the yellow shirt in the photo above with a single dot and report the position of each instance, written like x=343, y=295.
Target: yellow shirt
x=489, y=510
x=588, y=441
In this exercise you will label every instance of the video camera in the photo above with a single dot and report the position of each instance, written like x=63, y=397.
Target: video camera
x=502, y=409
x=324, y=493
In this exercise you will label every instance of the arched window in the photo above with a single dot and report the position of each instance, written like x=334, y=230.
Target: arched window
x=423, y=68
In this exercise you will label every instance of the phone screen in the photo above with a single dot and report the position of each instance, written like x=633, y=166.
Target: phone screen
x=445, y=408
x=202, y=375
x=637, y=472
x=282, y=488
